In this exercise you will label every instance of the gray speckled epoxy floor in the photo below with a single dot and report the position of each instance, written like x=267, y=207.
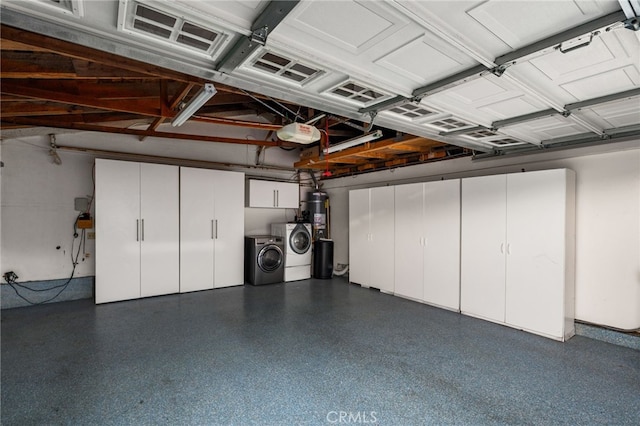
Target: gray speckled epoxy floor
x=308, y=352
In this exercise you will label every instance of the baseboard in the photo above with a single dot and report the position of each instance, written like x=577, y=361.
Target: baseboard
x=78, y=288
x=609, y=336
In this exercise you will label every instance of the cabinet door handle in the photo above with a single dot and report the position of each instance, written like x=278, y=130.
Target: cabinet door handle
x=278, y=197
x=424, y=241
x=502, y=248
x=508, y=248
x=137, y=229
x=142, y=229
x=274, y=199
x=216, y=229
x=212, y=237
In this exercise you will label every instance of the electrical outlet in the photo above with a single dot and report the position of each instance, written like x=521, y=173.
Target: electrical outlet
x=91, y=235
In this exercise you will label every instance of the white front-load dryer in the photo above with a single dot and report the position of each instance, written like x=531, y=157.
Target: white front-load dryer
x=297, y=249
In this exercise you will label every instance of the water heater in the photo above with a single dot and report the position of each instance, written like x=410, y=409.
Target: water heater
x=318, y=206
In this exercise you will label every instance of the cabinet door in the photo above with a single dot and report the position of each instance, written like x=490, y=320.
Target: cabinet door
x=381, y=225
x=228, y=228
x=536, y=230
x=197, y=229
x=160, y=230
x=117, y=207
x=262, y=193
x=408, y=241
x=359, y=262
x=483, y=245
x=442, y=243
x=287, y=195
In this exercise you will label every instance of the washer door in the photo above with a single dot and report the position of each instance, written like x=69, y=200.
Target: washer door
x=270, y=258
x=300, y=239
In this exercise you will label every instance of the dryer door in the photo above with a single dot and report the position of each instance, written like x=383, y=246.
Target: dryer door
x=270, y=258
x=300, y=239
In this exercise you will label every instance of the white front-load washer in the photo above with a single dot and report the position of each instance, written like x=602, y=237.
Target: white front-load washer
x=297, y=249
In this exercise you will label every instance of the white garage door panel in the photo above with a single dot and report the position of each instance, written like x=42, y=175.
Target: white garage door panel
x=425, y=59
x=478, y=90
x=604, y=84
x=348, y=25
x=577, y=63
x=548, y=128
x=615, y=114
x=486, y=99
x=507, y=21
x=513, y=107
x=608, y=65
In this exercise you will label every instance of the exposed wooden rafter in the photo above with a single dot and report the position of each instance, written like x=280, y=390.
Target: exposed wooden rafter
x=51, y=83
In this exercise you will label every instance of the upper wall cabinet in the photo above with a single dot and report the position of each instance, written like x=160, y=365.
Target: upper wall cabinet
x=211, y=229
x=371, y=237
x=271, y=194
x=137, y=230
x=427, y=242
x=517, y=253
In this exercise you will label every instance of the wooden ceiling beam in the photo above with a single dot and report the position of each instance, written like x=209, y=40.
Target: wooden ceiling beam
x=365, y=167
x=98, y=89
x=396, y=162
x=373, y=154
x=82, y=117
x=179, y=97
x=45, y=65
x=35, y=65
x=364, y=148
x=408, y=148
x=136, y=132
x=11, y=45
x=134, y=106
x=341, y=172
x=93, y=55
x=164, y=109
x=345, y=160
x=91, y=70
x=33, y=108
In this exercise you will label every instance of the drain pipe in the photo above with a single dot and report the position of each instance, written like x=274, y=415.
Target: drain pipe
x=315, y=180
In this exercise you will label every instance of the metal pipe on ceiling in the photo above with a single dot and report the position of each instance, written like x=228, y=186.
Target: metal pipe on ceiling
x=238, y=123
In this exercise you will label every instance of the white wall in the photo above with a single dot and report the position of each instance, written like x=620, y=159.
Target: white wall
x=38, y=211
x=607, y=219
x=37, y=196
x=258, y=221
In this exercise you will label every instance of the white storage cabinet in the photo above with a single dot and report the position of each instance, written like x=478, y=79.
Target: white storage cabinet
x=137, y=230
x=211, y=229
x=427, y=242
x=271, y=194
x=517, y=253
x=371, y=237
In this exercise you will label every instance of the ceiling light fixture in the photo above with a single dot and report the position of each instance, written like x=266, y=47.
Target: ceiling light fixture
x=355, y=141
x=194, y=105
